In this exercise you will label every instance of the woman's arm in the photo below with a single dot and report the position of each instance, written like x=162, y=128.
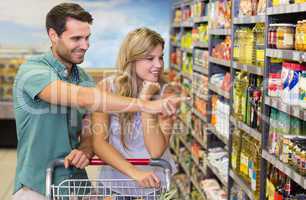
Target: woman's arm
x=157, y=129
x=157, y=132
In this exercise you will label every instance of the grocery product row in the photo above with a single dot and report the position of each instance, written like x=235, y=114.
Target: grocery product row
x=8, y=70
x=246, y=61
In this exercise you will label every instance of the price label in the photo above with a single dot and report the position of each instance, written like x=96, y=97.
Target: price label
x=297, y=56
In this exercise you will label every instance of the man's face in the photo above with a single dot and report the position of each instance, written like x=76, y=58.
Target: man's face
x=72, y=44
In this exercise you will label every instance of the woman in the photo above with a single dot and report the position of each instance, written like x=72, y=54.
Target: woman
x=135, y=135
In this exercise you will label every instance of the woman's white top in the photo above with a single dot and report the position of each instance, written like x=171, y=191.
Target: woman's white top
x=136, y=149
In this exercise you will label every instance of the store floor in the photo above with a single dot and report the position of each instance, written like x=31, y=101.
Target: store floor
x=7, y=172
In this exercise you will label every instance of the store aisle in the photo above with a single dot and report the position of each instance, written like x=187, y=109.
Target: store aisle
x=7, y=172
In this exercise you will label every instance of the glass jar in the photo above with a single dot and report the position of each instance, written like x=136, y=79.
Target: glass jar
x=272, y=36
x=298, y=39
x=303, y=35
x=285, y=36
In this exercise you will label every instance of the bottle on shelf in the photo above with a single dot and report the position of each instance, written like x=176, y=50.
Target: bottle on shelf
x=239, y=95
x=244, y=158
x=281, y=187
x=236, y=150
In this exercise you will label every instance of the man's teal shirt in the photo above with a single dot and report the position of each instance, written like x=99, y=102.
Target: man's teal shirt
x=45, y=132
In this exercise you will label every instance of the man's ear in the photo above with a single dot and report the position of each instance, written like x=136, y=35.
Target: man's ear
x=52, y=35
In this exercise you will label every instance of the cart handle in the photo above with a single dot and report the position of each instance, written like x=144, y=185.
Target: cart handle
x=151, y=162
x=135, y=161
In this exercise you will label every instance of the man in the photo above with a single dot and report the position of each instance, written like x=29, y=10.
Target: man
x=51, y=95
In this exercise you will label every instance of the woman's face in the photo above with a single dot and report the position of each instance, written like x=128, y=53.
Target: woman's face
x=151, y=67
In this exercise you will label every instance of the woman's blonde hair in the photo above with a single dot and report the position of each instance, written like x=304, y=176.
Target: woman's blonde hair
x=136, y=46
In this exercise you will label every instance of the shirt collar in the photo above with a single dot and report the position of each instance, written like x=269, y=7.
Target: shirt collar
x=61, y=69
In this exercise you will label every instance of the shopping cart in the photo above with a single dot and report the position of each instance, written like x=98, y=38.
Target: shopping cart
x=106, y=189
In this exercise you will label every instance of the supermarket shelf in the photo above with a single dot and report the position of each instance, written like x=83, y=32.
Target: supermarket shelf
x=185, y=144
x=215, y=171
x=198, y=165
x=218, y=134
x=201, y=69
x=200, y=45
x=219, y=31
x=202, y=96
x=218, y=90
x=189, y=103
x=187, y=24
x=186, y=124
x=249, y=19
x=199, y=140
x=252, y=132
x=188, y=50
x=176, y=153
x=196, y=162
x=249, y=68
x=186, y=2
x=7, y=110
x=194, y=182
x=173, y=66
x=175, y=45
x=242, y=184
x=176, y=25
x=295, y=111
x=184, y=168
x=287, y=54
x=187, y=76
x=199, y=115
x=181, y=189
x=219, y=61
x=200, y=19
x=176, y=4
x=285, y=169
x=285, y=9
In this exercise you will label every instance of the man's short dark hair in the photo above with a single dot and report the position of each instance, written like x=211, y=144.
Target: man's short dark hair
x=57, y=16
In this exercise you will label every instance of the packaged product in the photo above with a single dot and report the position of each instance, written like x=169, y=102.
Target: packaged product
x=302, y=90
x=276, y=65
x=273, y=135
x=285, y=78
x=283, y=123
x=261, y=7
x=274, y=84
x=295, y=126
x=210, y=184
x=245, y=8
x=296, y=70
